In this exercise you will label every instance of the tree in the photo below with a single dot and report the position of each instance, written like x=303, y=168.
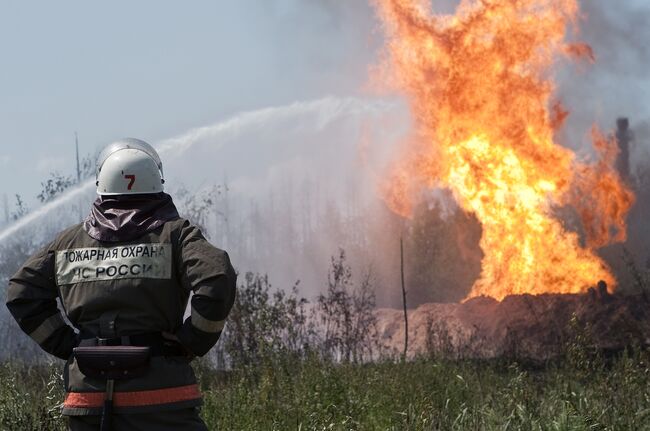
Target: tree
x=20, y=210
x=347, y=314
x=54, y=186
x=443, y=254
x=87, y=166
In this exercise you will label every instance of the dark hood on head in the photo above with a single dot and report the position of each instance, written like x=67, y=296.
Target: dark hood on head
x=127, y=217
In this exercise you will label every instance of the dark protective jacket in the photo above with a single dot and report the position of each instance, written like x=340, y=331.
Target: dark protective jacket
x=127, y=270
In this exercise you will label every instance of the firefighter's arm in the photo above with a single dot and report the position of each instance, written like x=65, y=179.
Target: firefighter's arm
x=208, y=272
x=31, y=299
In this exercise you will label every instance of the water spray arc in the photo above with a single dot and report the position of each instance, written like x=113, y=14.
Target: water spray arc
x=326, y=110
x=41, y=212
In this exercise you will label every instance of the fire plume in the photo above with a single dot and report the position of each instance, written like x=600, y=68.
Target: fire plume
x=480, y=88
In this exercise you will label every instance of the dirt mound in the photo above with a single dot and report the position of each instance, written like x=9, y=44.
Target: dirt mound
x=525, y=326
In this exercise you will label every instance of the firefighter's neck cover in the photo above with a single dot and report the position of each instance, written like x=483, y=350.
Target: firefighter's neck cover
x=137, y=260
x=125, y=217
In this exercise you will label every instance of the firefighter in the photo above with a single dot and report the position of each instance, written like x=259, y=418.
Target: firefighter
x=124, y=277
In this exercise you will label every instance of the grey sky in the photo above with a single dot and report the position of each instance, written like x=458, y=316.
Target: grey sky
x=153, y=69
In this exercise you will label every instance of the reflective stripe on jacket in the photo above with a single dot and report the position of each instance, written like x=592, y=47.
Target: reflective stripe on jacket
x=133, y=398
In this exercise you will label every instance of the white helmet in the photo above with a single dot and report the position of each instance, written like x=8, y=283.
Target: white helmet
x=129, y=167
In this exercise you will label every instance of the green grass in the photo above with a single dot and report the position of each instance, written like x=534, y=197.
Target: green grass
x=29, y=398
x=426, y=395
x=420, y=395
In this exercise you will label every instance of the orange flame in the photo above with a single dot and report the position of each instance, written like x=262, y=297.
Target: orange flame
x=480, y=86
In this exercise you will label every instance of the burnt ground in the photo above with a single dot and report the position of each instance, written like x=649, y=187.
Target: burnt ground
x=523, y=326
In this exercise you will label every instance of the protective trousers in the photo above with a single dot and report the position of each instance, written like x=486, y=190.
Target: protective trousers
x=182, y=419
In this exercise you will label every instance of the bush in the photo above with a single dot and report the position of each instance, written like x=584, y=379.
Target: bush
x=267, y=324
x=347, y=315
x=264, y=325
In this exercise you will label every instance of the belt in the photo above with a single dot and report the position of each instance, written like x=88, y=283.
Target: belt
x=159, y=345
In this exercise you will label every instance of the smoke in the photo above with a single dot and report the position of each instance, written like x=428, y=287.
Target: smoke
x=283, y=189
x=617, y=84
x=619, y=33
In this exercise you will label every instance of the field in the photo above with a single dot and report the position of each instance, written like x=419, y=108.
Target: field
x=286, y=364
x=423, y=394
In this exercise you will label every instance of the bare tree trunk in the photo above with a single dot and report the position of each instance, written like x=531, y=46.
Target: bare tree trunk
x=406, y=318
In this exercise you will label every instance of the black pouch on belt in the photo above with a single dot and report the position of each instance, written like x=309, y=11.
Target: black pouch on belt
x=112, y=362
